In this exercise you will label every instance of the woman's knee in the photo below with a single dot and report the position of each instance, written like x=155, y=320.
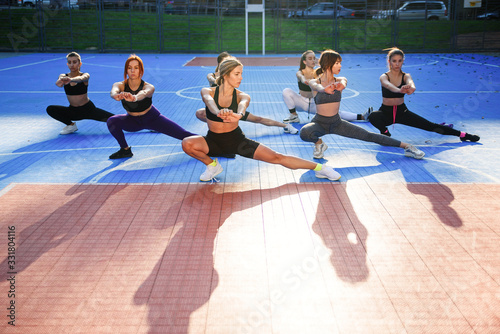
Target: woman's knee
x=307, y=134
x=190, y=144
x=287, y=92
x=51, y=110
x=114, y=122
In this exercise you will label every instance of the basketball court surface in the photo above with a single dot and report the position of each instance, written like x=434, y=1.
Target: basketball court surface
x=140, y=245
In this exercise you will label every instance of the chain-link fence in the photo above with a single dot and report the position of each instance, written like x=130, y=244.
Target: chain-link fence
x=211, y=26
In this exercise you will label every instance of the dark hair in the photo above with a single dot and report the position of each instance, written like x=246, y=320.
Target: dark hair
x=129, y=59
x=74, y=54
x=223, y=55
x=303, y=58
x=393, y=52
x=227, y=65
x=327, y=59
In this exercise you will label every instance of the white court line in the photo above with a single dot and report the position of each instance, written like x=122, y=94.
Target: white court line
x=132, y=162
x=180, y=92
x=128, y=163
x=82, y=149
x=469, y=61
x=30, y=64
x=100, y=65
x=184, y=65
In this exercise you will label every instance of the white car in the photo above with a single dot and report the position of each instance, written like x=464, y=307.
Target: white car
x=416, y=10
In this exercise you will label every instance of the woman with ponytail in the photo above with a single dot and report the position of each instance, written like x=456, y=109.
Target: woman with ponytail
x=395, y=84
x=304, y=99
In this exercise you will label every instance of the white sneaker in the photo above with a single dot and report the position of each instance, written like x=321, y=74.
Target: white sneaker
x=211, y=172
x=68, y=129
x=319, y=150
x=289, y=128
x=367, y=113
x=413, y=152
x=292, y=119
x=327, y=172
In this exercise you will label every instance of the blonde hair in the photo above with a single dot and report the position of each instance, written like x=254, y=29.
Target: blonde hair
x=225, y=68
x=303, y=58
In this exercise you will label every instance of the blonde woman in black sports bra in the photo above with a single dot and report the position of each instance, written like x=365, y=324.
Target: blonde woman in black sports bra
x=395, y=84
x=75, y=85
x=212, y=78
x=327, y=120
x=225, y=106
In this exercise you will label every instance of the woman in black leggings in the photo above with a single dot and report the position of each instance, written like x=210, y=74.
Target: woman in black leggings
x=395, y=84
x=75, y=85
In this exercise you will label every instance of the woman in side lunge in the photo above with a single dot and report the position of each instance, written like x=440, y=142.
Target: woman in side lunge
x=327, y=120
x=304, y=99
x=75, y=85
x=225, y=105
x=212, y=77
x=395, y=84
x=136, y=97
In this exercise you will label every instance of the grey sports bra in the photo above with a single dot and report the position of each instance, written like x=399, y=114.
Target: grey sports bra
x=322, y=97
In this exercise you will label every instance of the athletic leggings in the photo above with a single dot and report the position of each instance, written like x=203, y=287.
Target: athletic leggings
x=323, y=125
x=69, y=114
x=297, y=101
x=152, y=120
x=388, y=115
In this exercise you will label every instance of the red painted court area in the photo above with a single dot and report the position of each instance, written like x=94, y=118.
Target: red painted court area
x=247, y=61
x=261, y=258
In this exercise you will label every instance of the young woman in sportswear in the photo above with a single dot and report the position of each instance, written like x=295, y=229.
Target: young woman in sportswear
x=75, y=85
x=395, y=84
x=225, y=105
x=212, y=77
x=136, y=97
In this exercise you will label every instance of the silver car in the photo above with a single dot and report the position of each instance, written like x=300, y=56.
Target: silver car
x=323, y=10
x=416, y=10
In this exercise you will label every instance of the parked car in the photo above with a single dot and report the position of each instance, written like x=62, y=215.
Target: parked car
x=490, y=15
x=323, y=10
x=416, y=10
x=54, y=4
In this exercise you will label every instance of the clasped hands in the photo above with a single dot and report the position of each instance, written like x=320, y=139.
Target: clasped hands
x=228, y=116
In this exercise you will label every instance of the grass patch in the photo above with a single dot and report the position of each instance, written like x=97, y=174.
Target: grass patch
x=34, y=30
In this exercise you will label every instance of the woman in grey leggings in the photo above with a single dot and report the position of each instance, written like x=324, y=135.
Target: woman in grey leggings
x=327, y=119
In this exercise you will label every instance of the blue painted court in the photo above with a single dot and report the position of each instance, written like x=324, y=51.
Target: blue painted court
x=460, y=88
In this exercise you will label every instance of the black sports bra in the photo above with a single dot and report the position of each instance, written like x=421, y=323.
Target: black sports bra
x=234, y=106
x=78, y=89
x=138, y=106
x=304, y=87
x=389, y=94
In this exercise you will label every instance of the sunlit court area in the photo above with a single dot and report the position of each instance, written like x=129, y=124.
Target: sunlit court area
x=140, y=244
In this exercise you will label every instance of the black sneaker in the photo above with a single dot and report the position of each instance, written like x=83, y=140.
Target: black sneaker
x=386, y=133
x=122, y=153
x=469, y=137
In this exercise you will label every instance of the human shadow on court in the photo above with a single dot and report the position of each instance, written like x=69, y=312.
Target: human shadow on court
x=184, y=278
x=420, y=181
x=56, y=229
